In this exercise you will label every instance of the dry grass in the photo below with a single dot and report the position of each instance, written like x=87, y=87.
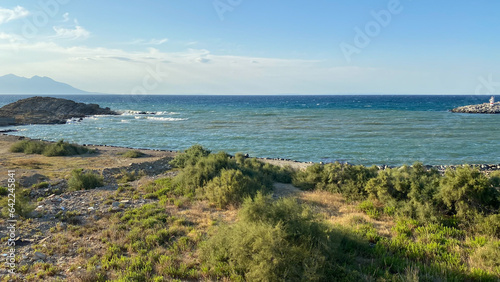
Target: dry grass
x=336, y=210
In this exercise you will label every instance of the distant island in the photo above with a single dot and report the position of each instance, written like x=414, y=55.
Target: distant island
x=13, y=84
x=485, y=108
x=47, y=110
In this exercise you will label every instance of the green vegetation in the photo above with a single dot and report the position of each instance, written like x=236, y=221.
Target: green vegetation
x=221, y=179
x=23, y=206
x=126, y=176
x=80, y=180
x=440, y=218
x=273, y=241
x=60, y=148
x=345, y=179
x=216, y=220
x=133, y=154
x=41, y=185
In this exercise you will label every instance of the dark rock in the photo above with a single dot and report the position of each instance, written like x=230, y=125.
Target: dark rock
x=47, y=110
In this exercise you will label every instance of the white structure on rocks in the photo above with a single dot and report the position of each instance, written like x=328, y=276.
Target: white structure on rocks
x=492, y=101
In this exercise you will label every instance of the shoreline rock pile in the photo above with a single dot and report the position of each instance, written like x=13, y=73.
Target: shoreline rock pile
x=485, y=108
x=47, y=110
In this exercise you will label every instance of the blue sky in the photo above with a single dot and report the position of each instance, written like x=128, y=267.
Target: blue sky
x=256, y=47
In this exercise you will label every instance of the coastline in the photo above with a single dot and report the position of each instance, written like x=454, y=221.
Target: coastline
x=52, y=235
x=294, y=164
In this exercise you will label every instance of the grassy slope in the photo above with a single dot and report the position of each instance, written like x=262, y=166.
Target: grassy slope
x=161, y=239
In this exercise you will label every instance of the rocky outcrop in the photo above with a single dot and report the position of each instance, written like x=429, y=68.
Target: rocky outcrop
x=485, y=108
x=47, y=110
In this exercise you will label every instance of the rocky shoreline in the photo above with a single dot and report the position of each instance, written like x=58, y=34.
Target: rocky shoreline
x=67, y=225
x=47, y=110
x=485, y=108
x=289, y=162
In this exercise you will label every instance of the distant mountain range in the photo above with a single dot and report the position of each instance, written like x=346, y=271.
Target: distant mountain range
x=13, y=84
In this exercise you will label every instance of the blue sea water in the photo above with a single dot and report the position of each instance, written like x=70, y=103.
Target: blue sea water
x=361, y=129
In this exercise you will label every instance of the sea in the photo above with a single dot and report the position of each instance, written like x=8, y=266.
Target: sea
x=356, y=129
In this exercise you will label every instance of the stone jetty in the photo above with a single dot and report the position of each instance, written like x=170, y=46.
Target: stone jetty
x=486, y=108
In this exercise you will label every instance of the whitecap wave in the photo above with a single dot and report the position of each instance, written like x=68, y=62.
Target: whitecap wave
x=133, y=113
x=166, y=119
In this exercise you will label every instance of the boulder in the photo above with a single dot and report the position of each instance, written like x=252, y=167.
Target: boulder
x=47, y=110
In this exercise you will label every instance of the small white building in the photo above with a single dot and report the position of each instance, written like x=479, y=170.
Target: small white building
x=492, y=101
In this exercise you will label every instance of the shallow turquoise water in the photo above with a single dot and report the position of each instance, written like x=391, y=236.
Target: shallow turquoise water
x=358, y=129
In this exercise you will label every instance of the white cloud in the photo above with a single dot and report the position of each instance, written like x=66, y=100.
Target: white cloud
x=119, y=71
x=77, y=33
x=9, y=37
x=7, y=15
x=66, y=17
x=153, y=41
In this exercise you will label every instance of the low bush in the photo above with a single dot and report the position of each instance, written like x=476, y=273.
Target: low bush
x=126, y=176
x=59, y=148
x=133, y=154
x=28, y=147
x=194, y=177
x=80, y=180
x=231, y=187
x=346, y=179
x=272, y=241
x=190, y=156
x=488, y=225
x=221, y=179
x=41, y=185
x=4, y=191
x=465, y=191
x=22, y=207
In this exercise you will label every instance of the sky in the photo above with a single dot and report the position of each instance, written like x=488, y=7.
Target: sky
x=255, y=47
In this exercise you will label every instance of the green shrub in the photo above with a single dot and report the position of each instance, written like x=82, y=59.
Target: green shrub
x=275, y=173
x=465, y=191
x=410, y=190
x=133, y=154
x=41, y=185
x=195, y=176
x=272, y=241
x=80, y=180
x=28, y=147
x=369, y=208
x=22, y=207
x=489, y=225
x=231, y=187
x=60, y=148
x=4, y=191
x=346, y=179
x=190, y=156
x=126, y=176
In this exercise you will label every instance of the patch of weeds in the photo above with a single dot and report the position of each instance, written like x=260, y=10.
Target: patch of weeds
x=369, y=208
x=70, y=217
x=80, y=180
x=126, y=176
x=60, y=148
x=41, y=185
x=132, y=154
